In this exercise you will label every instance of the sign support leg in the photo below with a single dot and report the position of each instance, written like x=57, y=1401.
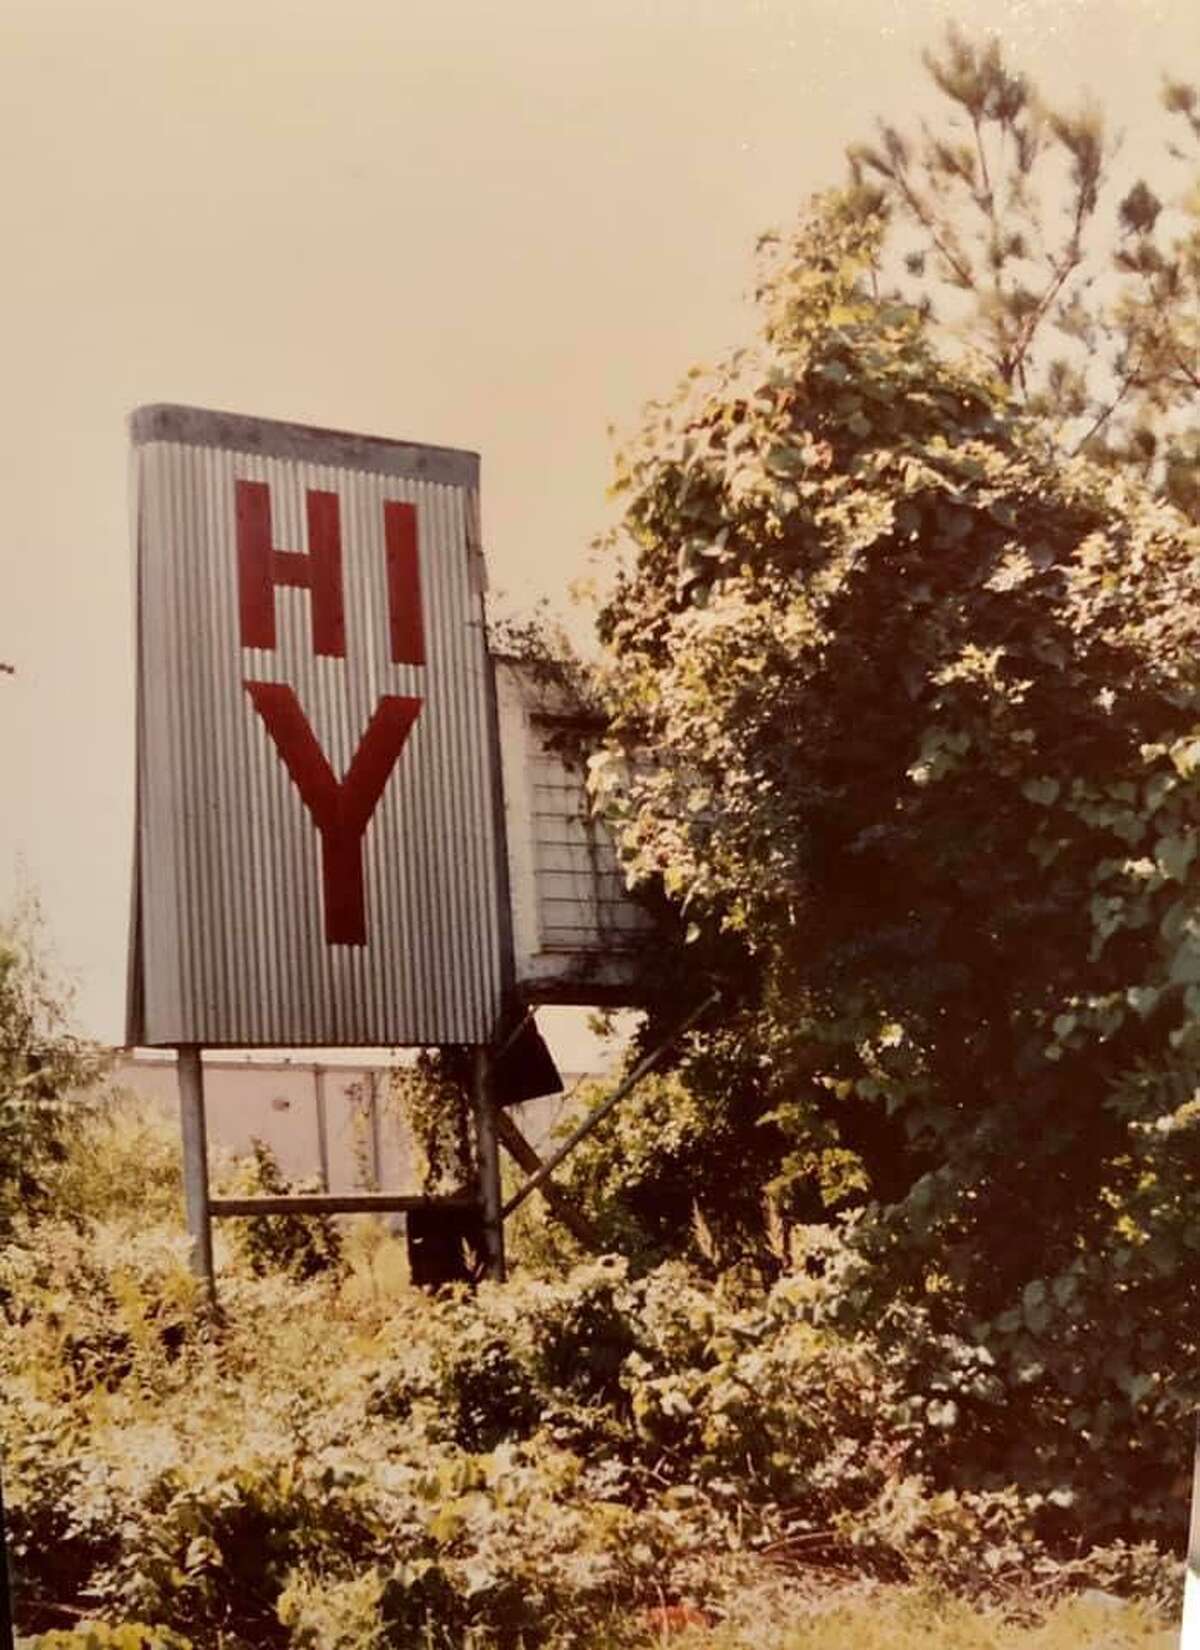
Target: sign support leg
x=1190, y=1637
x=195, y=1163
x=322, y=1125
x=488, y=1153
x=7, y=1639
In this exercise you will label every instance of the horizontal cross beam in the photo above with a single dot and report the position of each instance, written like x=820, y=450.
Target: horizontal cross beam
x=335, y=1203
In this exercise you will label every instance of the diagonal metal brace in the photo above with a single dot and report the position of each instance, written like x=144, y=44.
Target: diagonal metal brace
x=601, y=1112
x=574, y=1219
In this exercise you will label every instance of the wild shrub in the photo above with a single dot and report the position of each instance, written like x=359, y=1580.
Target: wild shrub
x=124, y=1165
x=43, y=1066
x=100, y=1635
x=507, y=1468
x=298, y=1246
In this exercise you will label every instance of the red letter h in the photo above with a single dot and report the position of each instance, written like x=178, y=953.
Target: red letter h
x=261, y=567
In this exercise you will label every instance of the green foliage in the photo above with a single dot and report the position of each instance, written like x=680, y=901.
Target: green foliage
x=540, y=643
x=926, y=706
x=1016, y=227
x=99, y=1635
x=122, y=1150
x=91, y=1313
x=41, y=1064
x=646, y=1176
x=434, y=1098
x=353, y=1615
x=539, y=1464
x=299, y=1246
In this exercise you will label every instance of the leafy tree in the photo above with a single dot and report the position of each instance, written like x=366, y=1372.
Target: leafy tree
x=41, y=1062
x=647, y=1174
x=925, y=699
x=1017, y=227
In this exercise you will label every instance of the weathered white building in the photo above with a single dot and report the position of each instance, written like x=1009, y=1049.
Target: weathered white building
x=332, y=1121
x=577, y=935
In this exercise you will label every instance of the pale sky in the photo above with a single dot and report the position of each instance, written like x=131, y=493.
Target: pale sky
x=500, y=227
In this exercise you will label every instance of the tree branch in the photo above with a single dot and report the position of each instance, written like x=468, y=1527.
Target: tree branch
x=915, y=205
x=1105, y=413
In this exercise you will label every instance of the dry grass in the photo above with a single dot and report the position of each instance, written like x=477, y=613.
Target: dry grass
x=879, y=1618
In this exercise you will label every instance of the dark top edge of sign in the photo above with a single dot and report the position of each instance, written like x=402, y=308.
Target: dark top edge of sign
x=198, y=427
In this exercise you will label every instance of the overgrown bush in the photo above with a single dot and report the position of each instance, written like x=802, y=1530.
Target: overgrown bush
x=298, y=1246
x=124, y=1165
x=336, y=1459
x=99, y=1635
x=642, y=1178
x=923, y=702
x=42, y=1065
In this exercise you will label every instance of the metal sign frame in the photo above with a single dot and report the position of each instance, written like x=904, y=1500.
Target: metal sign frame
x=319, y=844
x=319, y=851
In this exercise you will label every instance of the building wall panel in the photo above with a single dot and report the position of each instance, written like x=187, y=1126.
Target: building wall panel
x=578, y=934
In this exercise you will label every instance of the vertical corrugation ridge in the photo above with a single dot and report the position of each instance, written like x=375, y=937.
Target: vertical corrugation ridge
x=474, y=755
x=485, y=761
x=444, y=757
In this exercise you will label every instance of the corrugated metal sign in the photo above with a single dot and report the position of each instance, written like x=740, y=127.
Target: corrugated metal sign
x=318, y=853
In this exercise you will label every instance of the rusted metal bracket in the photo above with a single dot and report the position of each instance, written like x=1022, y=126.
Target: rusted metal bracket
x=513, y=1035
x=643, y=1067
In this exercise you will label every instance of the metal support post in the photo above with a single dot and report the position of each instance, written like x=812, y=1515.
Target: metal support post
x=6, y=1599
x=376, y=1139
x=488, y=1156
x=322, y=1125
x=195, y=1162
x=1190, y=1635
